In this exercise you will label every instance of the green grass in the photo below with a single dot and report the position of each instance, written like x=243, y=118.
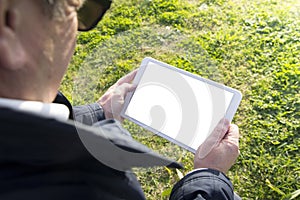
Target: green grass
x=253, y=46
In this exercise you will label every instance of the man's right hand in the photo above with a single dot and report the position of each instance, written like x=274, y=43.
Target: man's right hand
x=220, y=150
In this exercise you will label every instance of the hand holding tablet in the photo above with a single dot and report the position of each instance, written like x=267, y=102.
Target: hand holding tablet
x=177, y=105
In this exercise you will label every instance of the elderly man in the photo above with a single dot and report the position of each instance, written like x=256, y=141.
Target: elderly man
x=43, y=154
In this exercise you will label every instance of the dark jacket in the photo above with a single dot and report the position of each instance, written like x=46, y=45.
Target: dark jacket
x=46, y=159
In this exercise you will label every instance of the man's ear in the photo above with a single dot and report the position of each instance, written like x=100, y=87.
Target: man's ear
x=12, y=54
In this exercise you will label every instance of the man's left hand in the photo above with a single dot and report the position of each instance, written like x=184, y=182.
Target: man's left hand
x=113, y=100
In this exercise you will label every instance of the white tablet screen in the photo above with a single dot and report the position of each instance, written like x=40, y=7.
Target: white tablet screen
x=177, y=106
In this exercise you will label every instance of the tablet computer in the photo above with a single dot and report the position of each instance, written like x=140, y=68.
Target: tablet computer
x=175, y=104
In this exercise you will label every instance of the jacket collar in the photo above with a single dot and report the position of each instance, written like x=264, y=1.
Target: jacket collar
x=47, y=110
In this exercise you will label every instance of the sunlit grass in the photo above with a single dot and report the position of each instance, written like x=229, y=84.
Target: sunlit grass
x=253, y=46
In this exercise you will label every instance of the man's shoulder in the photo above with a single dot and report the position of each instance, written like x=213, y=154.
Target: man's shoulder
x=33, y=143
x=30, y=137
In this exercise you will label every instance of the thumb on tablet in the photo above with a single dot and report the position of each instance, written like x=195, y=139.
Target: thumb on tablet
x=220, y=150
x=214, y=138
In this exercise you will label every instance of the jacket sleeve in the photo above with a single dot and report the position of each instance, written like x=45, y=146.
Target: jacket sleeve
x=203, y=184
x=88, y=114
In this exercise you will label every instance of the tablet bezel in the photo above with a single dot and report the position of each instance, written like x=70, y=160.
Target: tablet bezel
x=232, y=108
